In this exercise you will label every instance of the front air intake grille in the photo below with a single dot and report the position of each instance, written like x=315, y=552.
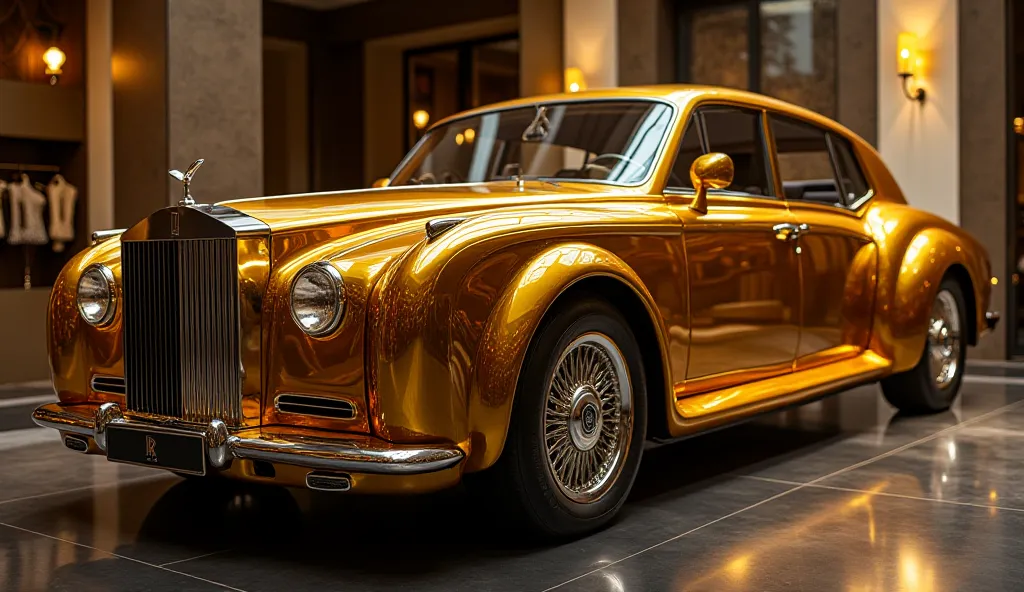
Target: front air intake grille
x=181, y=328
x=108, y=384
x=318, y=406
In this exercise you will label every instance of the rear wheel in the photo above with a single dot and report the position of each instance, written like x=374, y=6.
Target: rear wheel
x=934, y=383
x=578, y=424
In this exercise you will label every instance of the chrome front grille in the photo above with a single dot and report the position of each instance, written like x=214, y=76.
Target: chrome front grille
x=181, y=343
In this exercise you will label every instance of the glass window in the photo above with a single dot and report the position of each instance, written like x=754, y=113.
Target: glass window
x=689, y=150
x=717, y=39
x=738, y=133
x=782, y=48
x=612, y=141
x=855, y=186
x=805, y=164
x=798, y=52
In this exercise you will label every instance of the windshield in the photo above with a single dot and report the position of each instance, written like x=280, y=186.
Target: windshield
x=609, y=141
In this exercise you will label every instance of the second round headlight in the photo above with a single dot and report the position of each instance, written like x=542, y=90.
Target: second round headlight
x=318, y=298
x=96, y=295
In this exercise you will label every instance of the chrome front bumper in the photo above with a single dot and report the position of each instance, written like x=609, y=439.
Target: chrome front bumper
x=346, y=453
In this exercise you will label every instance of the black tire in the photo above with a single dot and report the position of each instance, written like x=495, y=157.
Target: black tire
x=523, y=477
x=917, y=391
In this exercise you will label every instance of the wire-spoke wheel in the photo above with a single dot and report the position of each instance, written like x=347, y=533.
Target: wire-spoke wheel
x=944, y=339
x=578, y=423
x=588, y=417
x=934, y=382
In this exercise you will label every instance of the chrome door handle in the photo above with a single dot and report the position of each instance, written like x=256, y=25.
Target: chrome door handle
x=789, y=232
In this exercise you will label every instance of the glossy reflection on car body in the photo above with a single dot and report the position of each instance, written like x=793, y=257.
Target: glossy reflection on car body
x=747, y=303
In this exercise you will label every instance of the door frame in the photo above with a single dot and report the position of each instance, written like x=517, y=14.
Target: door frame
x=464, y=67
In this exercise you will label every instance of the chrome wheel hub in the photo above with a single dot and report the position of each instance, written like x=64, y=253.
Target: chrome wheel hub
x=944, y=340
x=588, y=417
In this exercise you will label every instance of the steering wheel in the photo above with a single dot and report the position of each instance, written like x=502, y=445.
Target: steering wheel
x=611, y=156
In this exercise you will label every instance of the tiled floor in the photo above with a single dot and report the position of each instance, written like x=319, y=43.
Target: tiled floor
x=838, y=495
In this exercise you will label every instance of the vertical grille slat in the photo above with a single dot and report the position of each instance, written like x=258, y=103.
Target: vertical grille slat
x=181, y=328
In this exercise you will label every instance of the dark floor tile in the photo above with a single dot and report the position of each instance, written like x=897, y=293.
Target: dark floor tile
x=48, y=467
x=978, y=464
x=453, y=542
x=858, y=425
x=30, y=562
x=816, y=539
x=17, y=417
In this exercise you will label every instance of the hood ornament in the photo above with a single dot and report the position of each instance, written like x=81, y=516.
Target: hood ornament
x=186, y=180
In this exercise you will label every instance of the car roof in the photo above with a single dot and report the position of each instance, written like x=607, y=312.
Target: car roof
x=679, y=95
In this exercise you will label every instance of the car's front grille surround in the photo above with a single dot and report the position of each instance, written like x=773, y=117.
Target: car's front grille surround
x=181, y=342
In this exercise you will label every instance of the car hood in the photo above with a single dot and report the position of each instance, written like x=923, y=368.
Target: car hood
x=374, y=207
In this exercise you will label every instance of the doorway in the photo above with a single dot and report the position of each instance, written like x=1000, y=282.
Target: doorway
x=1015, y=189
x=443, y=80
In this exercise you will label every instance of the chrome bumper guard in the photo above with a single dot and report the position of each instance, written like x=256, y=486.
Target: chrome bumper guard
x=366, y=455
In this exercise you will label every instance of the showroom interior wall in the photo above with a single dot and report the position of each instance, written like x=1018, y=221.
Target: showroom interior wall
x=920, y=140
x=984, y=130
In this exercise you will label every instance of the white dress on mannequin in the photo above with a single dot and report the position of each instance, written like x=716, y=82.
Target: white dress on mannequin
x=27, y=226
x=3, y=186
x=62, y=211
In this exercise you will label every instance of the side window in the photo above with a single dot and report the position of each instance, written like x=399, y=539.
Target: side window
x=855, y=186
x=805, y=164
x=689, y=150
x=738, y=133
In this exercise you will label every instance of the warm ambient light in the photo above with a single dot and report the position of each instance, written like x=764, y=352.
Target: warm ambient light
x=54, y=59
x=420, y=118
x=907, y=62
x=470, y=134
x=574, y=81
x=459, y=139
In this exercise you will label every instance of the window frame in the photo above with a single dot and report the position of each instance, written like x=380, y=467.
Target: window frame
x=702, y=135
x=833, y=156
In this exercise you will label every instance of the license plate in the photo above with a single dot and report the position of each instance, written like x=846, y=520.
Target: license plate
x=177, y=451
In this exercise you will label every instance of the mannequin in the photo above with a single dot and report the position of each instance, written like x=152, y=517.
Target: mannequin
x=62, y=211
x=27, y=227
x=3, y=187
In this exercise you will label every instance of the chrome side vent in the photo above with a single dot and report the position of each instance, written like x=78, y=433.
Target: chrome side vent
x=316, y=406
x=113, y=385
x=328, y=481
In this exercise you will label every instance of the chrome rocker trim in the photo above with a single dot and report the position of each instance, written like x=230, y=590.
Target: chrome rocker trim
x=303, y=451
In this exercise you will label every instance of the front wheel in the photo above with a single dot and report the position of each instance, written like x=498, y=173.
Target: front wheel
x=933, y=384
x=578, y=422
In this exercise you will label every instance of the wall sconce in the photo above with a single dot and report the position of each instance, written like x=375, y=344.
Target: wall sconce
x=54, y=59
x=574, y=81
x=420, y=118
x=907, y=63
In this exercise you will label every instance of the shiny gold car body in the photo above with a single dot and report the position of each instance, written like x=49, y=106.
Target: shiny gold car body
x=435, y=331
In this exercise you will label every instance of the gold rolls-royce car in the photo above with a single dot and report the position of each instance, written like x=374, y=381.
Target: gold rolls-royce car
x=539, y=287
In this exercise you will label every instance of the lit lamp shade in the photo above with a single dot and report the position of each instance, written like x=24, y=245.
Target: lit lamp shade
x=574, y=81
x=906, y=54
x=54, y=59
x=420, y=118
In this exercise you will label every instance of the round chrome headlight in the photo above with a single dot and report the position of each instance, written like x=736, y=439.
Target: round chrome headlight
x=318, y=299
x=96, y=299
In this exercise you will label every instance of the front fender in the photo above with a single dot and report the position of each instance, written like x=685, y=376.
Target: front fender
x=510, y=329
x=451, y=320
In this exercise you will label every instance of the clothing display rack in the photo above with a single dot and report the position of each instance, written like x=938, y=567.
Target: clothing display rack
x=29, y=168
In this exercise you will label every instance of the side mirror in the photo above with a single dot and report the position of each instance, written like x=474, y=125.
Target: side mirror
x=710, y=171
x=384, y=182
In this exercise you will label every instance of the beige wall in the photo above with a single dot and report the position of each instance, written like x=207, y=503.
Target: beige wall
x=215, y=96
x=23, y=343
x=920, y=141
x=983, y=160
x=540, y=47
x=285, y=117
